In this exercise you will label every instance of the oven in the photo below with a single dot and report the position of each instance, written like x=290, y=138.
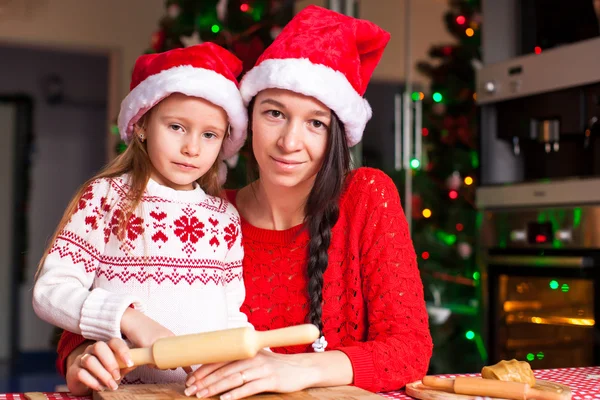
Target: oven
x=541, y=285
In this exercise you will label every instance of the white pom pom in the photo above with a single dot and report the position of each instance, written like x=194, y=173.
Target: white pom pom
x=320, y=345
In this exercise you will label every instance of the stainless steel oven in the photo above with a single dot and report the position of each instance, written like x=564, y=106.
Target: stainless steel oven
x=538, y=89
x=540, y=282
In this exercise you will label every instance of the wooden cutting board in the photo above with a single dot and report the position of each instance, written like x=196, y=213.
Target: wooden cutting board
x=175, y=391
x=419, y=391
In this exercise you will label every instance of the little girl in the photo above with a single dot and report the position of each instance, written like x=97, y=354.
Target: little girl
x=147, y=248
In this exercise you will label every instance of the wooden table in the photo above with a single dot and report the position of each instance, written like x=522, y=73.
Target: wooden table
x=584, y=384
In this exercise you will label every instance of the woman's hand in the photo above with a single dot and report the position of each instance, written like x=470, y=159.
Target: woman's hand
x=141, y=330
x=270, y=372
x=95, y=367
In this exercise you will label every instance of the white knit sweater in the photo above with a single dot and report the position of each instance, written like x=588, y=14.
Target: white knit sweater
x=179, y=261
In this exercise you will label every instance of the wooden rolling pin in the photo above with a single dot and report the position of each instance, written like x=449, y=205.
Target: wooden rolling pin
x=489, y=388
x=219, y=346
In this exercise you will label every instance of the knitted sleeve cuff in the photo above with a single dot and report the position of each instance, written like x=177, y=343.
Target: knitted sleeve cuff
x=362, y=366
x=102, y=312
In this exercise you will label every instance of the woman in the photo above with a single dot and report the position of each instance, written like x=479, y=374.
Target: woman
x=322, y=243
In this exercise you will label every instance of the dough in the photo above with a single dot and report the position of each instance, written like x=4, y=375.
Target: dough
x=510, y=371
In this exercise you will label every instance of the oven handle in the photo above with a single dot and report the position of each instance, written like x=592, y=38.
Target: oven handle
x=542, y=261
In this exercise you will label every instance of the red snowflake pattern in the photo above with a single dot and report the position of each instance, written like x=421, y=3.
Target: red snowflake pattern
x=85, y=197
x=231, y=234
x=189, y=229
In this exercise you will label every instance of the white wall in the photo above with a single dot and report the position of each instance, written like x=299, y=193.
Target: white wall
x=122, y=25
x=427, y=28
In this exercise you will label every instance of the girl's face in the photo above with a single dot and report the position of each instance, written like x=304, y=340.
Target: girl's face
x=289, y=137
x=184, y=136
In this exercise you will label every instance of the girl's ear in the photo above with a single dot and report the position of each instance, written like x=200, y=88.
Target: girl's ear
x=139, y=132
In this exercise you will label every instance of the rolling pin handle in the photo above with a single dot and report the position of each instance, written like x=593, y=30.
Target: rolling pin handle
x=139, y=357
x=439, y=383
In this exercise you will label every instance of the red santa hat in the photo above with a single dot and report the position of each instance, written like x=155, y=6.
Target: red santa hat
x=206, y=70
x=325, y=55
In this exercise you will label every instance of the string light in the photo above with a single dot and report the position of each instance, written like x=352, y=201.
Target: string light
x=538, y=50
x=461, y=20
x=476, y=275
x=215, y=28
x=244, y=7
x=470, y=335
x=475, y=96
x=453, y=194
x=427, y=213
x=437, y=97
x=468, y=181
x=469, y=32
x=459, y=227
x=530, y=357
x=414, y=163
x=425, y=255
x=421, y=95
x=425, y=131
x=553, y=285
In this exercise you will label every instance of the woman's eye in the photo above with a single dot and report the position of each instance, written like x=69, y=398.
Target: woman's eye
x=317, y=124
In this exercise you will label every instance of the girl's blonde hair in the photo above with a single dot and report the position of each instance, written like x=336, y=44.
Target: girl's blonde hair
x=135, y=161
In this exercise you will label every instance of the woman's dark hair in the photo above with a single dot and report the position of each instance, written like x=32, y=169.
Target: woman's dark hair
x=321, y=210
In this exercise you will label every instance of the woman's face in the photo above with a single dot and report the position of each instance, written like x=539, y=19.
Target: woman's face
x=289, y=137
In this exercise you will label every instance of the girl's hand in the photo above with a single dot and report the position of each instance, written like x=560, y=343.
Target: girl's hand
x=267, y=371
x=96, y=368
x=141, y=330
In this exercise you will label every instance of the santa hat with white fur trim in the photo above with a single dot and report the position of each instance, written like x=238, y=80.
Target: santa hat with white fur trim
x=325, y=55
x=206, y=70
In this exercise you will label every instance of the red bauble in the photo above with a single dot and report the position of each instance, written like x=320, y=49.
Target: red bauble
x=248, y=51
x=417, y=206
x=158, y=40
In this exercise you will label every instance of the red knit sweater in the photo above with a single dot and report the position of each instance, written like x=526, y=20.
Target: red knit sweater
x=373, y=306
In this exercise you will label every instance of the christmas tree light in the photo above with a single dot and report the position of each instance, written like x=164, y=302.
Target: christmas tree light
x=445, y=218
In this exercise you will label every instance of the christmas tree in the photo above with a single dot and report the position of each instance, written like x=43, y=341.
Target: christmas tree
x=443, y=207
x=244, y=27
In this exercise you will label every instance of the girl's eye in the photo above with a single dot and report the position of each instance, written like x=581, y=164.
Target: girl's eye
x=275, y=113
x=175, y=127
x=209, y=135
